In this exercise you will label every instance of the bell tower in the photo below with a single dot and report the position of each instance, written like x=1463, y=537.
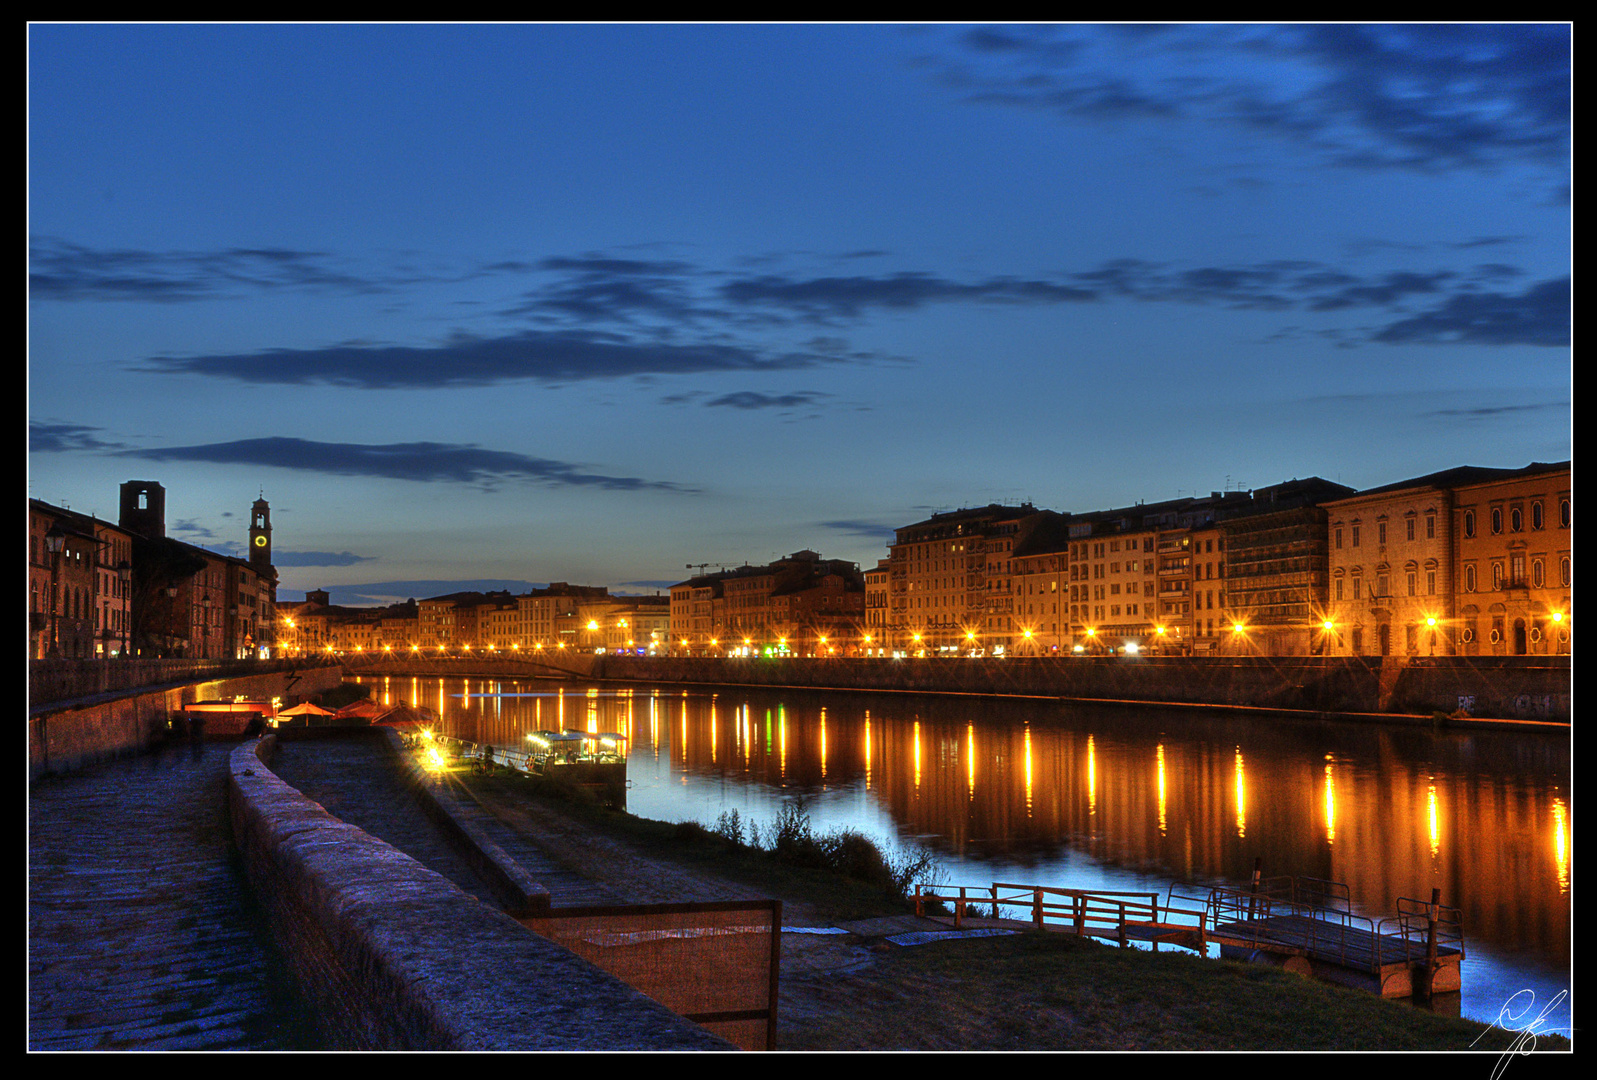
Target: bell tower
x=261, y=537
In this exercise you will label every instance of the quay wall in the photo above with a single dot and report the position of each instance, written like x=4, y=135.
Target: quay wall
x=394, y=956
x=66, y=735
x=66, y=680
x=1524, y=688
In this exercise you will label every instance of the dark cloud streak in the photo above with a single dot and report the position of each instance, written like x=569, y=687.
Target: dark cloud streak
x=417, y=461
x=1375, y=97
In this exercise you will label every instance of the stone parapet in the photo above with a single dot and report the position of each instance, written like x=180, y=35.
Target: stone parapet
x=394, y=956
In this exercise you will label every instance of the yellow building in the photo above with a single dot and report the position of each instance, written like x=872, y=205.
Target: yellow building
x=1470, y=560
x=1513, y=584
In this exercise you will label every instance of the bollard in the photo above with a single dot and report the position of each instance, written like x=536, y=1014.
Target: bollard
x=1036, y=907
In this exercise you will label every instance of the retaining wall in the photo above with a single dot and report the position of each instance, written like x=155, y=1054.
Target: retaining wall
x=393, y=956
x=68, y=735
x=1508, y=687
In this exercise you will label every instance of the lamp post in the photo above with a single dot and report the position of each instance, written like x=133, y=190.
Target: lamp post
x=54, y=541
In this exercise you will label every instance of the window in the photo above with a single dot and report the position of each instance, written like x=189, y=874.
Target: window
x=1430, y=526
x=1469, y=523
x=1355, y=536
x=1430, y=582
x=1536, y=515
x=1497, y=520
x=1412, y=590
x=1563, y=571
x=1517, y=569
x=1516, y=519
x=1410, y=524
x=1537, y=573
x=1339, y=588
x=1380, y=532
x=1563, y=512
x=1357, y=583
x=1339, y=539
x=1497, y=575
x=1469, y=578
x=1382, y=586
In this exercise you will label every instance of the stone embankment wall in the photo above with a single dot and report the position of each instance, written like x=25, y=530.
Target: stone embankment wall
x=394, y=956
x=67, y=735
x=1507, y=687
x=66, y=680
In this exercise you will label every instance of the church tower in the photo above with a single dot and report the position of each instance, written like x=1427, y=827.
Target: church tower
x=261, y=538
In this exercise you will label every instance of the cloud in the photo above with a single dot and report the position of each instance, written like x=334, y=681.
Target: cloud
x=417, y=461
x=551, y=357
x=65, y=271
x=1538, y=316
x=826, y=297
x=749, y=399
x=1488, y=412
x=869, y=530
x=318, y=558
x=191, y=529
x=54, y=438
x=1375, y=97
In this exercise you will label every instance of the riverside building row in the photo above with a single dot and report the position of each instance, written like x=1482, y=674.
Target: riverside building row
x=561, y=617
x=1468, y=561
x=103, y=591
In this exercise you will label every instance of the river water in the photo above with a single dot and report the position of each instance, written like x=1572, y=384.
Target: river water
x=1111, y=797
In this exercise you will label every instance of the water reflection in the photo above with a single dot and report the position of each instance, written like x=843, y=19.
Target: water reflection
x=1031, y=791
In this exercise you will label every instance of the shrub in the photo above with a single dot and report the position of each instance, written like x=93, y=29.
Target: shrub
x=847, y=852
x=729, y=826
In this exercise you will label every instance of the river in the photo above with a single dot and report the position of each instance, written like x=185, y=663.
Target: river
x=1109, y=797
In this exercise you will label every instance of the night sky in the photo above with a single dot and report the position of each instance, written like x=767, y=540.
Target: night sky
x=483, y=306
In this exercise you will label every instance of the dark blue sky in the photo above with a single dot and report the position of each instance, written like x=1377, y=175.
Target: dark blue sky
x=592, y=303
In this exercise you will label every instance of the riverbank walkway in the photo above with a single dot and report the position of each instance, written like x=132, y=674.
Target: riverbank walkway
x=142, y=931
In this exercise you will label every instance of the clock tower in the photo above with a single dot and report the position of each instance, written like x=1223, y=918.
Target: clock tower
x=261, y=538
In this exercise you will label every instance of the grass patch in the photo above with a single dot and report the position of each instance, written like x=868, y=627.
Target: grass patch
x=1055, y=992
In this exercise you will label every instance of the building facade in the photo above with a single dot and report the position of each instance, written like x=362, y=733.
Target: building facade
x=1514, y=585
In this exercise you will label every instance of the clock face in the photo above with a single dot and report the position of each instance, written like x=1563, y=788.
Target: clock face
x=260, y=541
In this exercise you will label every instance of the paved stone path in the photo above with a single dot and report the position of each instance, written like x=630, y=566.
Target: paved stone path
x=142, y=932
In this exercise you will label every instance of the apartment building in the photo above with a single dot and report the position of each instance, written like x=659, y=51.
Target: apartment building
x=79, y=584
x=1513, y=585
x=951, y=583
x=1277, y=569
